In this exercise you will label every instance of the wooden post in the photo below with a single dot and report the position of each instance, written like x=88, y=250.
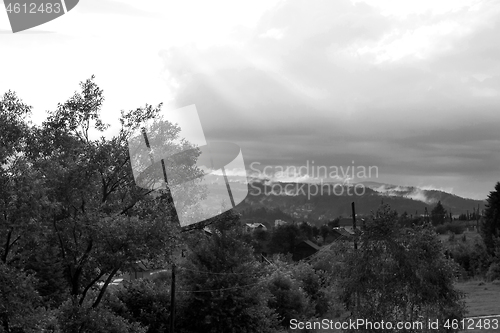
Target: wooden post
x=170, y=199
x=356, y=296
x=477, y=218
x=354, y=224
x=172, y=301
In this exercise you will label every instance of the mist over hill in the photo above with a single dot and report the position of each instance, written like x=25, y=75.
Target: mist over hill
x=318, y=202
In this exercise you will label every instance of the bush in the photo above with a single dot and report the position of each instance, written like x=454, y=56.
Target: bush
x=80, y=318
x=452, y=227
x=146, y=302
x=473, y=259
x=289, y=301
x=493, y=272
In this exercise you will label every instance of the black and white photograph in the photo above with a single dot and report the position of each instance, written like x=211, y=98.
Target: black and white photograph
x=265, y=166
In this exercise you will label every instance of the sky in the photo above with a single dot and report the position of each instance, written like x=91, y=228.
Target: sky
x=411, y=87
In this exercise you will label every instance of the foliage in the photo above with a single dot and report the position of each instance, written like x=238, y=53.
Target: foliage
x=399, y=274
x=20, y=305
x=223, y=284
x=289, y=300
x=76, y=318
x=474, y=259
x=438, y=214
x=71, y=212
x=493, y=272
x=284, y=239
x=454, y=228
x=490, y=229
x=312, y=283
x=146, y=302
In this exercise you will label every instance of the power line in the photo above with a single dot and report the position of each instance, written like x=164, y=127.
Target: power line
x=221, y=289
x=207, y=272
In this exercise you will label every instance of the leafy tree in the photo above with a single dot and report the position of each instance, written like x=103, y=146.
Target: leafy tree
x=77, y=318
x=284, y=239
x=146, y=302
x=223, y=284
x=21, y=188
x=438, y=214
x=70, y=210
x=306, y=230
x=289, y=301
x=324, y=230
x=95, y=215
x=490, y=229
x=313, y=284
x=20, y=305
x=399, y=274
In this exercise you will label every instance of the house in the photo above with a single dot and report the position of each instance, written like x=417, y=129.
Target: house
x=251, y=227
x=304, y=249
x=340, y=233
x=277, y=223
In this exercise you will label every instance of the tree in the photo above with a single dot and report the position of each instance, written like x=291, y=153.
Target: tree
x=70, y=210
x=223, y=283
x=100, y=221
x=284, y=239
x=438, y=214
x=20, y=304
x=490, y=228
x=324, y=230
x=289, y=300
x=74, y=317
x=399, y=274
x=21, y=188
x=145, y=301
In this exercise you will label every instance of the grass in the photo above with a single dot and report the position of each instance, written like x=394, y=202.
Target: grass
x=482, y=299
x=471, y=237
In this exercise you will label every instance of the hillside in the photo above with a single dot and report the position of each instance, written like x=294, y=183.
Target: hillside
x=328, y=201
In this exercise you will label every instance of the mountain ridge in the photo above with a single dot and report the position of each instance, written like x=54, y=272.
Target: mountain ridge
x=316, y=202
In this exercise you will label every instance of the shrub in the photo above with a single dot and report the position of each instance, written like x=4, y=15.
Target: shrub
x=289, y=301
x=493, y=272
x=473, y=259
x=80, y=318
x=452, y=227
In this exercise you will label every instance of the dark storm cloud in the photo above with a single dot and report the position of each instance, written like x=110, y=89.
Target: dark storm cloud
x=326, y=81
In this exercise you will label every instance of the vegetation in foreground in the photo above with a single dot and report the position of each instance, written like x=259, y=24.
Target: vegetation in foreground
x=73, y=219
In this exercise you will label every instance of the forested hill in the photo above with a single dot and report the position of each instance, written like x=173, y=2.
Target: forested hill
x=315, y=202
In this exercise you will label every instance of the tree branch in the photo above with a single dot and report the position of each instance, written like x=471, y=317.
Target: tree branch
x=7, y=246
x=82, y=298
x=105, y=286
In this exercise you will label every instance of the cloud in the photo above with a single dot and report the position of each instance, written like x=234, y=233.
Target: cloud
x=415, y=94
x=107, y=7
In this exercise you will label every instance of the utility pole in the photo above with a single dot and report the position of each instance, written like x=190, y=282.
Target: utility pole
x=354, y=225
x=477, y=218
x=172, y=300
x=355, y=247
x=170, y=201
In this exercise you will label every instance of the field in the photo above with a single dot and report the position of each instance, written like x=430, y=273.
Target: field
x=470, y=238
x=482, y=300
